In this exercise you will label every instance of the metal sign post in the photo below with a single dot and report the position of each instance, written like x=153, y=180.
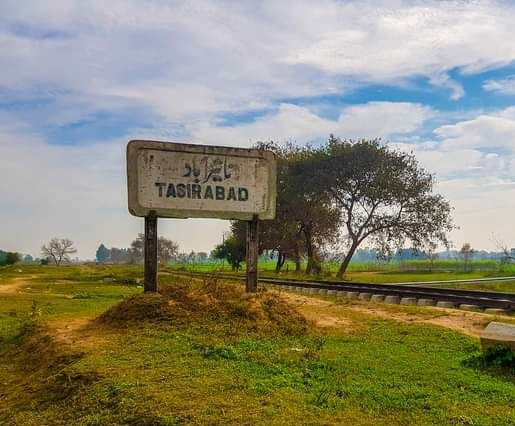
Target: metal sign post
x=179, y=180
x=252, y=254
x=150, y=252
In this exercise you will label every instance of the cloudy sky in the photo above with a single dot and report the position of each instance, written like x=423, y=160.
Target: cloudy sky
x=78, y=79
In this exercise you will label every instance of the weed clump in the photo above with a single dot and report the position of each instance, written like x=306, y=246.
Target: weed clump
x=208, y=303
x=496, y=356
x=46, y=373
x=141, y=307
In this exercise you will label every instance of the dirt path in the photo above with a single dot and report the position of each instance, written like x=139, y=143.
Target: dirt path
x=13, y=287
x=469, y=323
x=326, y=313
x=69, y=331
x=75, y=332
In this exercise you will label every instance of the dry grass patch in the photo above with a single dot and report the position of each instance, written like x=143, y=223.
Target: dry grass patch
x=189, y=302
x=323, y=313
x=38, y=371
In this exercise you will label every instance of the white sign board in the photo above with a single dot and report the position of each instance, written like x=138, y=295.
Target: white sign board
x=185, y=180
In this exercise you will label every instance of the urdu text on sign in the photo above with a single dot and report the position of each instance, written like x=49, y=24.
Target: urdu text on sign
x=186, y=180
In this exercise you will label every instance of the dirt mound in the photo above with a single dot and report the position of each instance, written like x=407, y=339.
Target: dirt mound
x=141, y=307
x=41, y=372
x=186, y=302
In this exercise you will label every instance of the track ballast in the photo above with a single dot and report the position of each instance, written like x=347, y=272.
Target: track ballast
x=481, y=299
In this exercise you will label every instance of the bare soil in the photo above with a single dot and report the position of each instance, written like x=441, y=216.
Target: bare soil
x=14, y=286
x=75, y=332
x=325, y=313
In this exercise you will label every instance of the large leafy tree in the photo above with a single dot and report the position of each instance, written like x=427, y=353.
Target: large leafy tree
x=10, y=258
x=383, y=195
x=233, y=248
x=282, y=234
x=305, y=219
x=102, y=254
x=118, y=256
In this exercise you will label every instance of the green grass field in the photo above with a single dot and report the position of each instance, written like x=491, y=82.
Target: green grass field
x=80, y=347
x=502, y=286
x=389, y=272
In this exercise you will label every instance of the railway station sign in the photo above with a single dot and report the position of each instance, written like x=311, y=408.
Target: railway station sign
x=180, y=180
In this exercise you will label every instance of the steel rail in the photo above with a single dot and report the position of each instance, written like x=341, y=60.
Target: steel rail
x=482, y=299
x=462, y=281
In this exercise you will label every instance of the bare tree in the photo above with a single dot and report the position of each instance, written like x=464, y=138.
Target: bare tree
x=137, y=249
x=466, y=253
x=58, y=249
x=166, y=250
x=507, y=254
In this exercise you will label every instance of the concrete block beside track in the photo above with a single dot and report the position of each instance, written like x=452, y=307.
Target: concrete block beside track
x=352, y=294
x=496, y=311
x=408, y=301
x=331, y=292
x=469, y=307
x=377, y=298
x=445, y=304
x=340, y=293
x=393, y=300
x=365, y=296
x=322, y=291
x=426, y=302
x=498, y=334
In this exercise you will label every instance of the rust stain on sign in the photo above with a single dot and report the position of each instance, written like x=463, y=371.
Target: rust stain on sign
x=186, y=180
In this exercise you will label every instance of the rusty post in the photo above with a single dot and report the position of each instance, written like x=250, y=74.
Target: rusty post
x=252, y=255
x=150, y=250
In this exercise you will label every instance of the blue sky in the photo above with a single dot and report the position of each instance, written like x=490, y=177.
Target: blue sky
x=81, y=78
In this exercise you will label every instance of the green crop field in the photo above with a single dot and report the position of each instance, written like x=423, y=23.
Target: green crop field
x=500, y=286
x=475, y=267
x=80, y=345
x=388, y=272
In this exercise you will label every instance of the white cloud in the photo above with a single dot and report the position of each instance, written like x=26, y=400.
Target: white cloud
x=483, y=208
x=474, y=161
x=77, y=192
x=481, y=149
x=190, y=62
x=488, y=132
x=296, y=123
x=222, y=56
x=443, y=80
x=505, y=86
x=382, y=42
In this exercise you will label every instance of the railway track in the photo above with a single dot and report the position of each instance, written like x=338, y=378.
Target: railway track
x=494, y=302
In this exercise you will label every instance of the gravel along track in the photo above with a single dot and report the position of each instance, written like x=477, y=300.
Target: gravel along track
x=494, y=302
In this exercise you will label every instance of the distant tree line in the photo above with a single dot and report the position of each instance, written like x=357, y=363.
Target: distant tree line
x=166, y=251
x=341, y=194
x=9, y=258
x=56, y=251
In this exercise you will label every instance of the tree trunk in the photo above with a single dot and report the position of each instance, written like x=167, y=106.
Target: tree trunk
x=297, y=261
x=280, y=262
x=347, y=259
x=313, y=266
